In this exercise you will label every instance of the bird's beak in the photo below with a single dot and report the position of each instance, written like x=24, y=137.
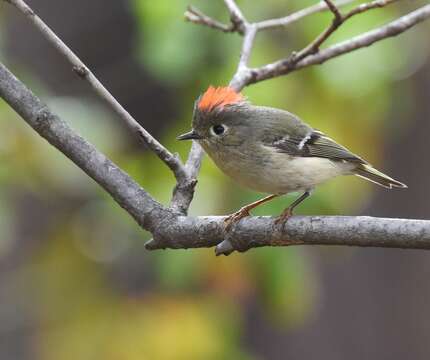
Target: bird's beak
x=191, y=135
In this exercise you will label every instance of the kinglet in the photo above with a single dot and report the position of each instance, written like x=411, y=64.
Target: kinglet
x=271, y=150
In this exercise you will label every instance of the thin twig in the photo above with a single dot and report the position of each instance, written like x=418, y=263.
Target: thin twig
x=368, y=6
x=236, y=15
x=338, y=20
x=194, y=15
x=333, y=8
x=245, y=54
x=248, y=43
x=83, y=72
x=393, y=28
x=314, y=46
x=294, y=17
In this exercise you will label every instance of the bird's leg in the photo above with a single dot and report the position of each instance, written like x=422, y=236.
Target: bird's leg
x=288, y=212
x=244, y=211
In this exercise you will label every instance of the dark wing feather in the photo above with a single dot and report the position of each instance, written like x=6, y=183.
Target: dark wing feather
x=316, y=144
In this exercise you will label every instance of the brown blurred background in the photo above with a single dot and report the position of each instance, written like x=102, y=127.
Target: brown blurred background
x=75, y=281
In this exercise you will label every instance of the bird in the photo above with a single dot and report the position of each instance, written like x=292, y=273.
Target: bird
x=271, y=150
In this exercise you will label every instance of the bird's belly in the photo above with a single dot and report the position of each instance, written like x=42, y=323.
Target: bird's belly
x=279, y=173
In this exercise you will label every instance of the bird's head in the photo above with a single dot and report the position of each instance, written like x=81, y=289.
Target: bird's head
x=219, y=118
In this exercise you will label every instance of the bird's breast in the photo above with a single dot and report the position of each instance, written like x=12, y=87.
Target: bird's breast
x=264, y=169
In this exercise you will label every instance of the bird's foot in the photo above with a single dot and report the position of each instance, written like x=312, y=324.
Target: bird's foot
x=283, y=218
x=232, y=219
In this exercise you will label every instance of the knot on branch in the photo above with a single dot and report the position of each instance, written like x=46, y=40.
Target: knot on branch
x=289, y=63
x=81, y=71
x=43, y=119
x=183, y=192
x=237, y=25
x=238, y=239
x=337, y=21
x=236, y=243
x=162, y=233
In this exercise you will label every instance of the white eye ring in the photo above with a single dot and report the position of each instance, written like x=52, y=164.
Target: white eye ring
x=218, y=130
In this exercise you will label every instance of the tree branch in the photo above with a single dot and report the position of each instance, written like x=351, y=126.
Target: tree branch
x=260, y=231
x=195, y=16
x=338, y=20
x=368, y=6
x=290, y=19
x=83, y=72
x=333, y=8
x=169, y=228
x=396, y=27
x=184, y=190
x=125, y=191
x=236, y=16
x=173, y=231
x=242, y=69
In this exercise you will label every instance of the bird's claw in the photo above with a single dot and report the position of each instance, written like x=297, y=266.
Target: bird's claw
x=232, y=219
x=283, y=218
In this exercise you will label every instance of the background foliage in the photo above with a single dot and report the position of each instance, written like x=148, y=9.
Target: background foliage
x=76, y=282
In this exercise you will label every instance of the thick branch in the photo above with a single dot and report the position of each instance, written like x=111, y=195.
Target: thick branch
x=174, y=231
x=253, y=232
x=126, y=192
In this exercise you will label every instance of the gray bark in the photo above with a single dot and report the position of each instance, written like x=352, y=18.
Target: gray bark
x=125, y=191
x=169, y=227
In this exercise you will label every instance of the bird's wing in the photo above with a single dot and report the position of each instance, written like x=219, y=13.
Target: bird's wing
x=315, y=144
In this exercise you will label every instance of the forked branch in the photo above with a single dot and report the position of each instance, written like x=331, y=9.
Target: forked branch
x=168, y=225
x=185, y=183
x=393, y=28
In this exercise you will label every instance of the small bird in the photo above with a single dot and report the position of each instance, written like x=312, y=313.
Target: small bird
x=271, y=150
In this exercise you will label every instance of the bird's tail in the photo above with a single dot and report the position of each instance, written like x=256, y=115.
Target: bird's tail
x=367, y=172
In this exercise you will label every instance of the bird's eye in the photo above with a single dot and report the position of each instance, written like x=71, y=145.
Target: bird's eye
x=218, y=129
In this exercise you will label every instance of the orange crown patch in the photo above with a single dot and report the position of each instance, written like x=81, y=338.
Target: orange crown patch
x=219, y=97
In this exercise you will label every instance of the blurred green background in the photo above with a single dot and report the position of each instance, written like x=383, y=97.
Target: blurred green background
x=75, y=280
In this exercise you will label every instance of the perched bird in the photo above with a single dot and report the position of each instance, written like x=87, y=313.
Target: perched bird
x=271, y=150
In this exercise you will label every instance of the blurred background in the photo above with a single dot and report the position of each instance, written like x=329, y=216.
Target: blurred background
x=75, y=280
